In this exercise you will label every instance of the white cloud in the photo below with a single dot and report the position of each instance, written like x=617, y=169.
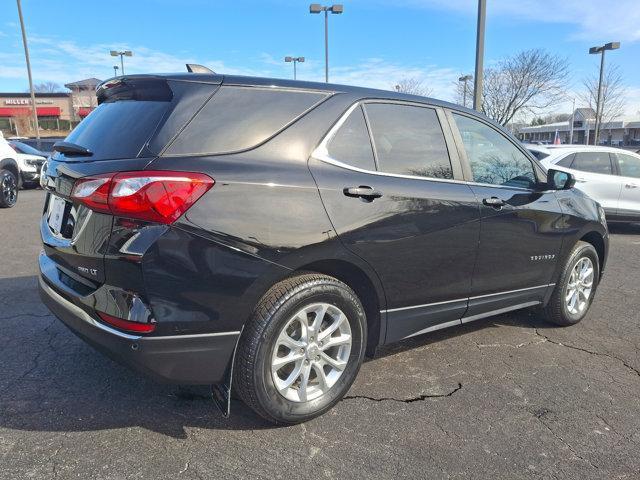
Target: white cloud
x=595, y=20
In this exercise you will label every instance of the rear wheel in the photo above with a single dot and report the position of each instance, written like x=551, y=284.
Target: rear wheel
x=8, y=189
x=574, y=291
x=302, y=349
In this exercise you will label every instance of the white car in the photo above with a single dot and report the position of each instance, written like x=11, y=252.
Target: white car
x=30, y=161
x=9, y=174
x=609, y=175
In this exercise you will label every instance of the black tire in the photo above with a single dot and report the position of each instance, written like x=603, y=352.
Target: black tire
x=557, y=310
x=253, y=380
x=8, y=189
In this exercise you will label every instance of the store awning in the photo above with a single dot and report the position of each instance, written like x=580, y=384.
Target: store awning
x=26, y=111
x=84, y=111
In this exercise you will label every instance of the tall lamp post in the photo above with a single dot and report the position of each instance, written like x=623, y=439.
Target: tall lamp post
x=34, y=112
x=465, y=79
x=595, y=51
x=477, y=88
x=125, y=53
x=294, y=60
x=115, y=70
x=336, y=9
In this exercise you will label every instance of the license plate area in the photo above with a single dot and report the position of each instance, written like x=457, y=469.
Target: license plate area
x=56, y=214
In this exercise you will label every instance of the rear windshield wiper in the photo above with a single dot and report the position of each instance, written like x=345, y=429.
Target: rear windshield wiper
x=70, y=149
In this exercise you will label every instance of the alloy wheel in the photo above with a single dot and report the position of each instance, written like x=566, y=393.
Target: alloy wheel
x=580, y=285
x=311, y=352
x=9, y=189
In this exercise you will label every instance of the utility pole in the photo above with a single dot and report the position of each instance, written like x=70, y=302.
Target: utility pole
x=34, y=111
x=477, y=89
x=599, y=108
x=335, y=9
x=465, y=79
x=573, y=117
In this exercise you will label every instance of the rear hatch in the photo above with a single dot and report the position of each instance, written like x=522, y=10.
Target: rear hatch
x=115, y=137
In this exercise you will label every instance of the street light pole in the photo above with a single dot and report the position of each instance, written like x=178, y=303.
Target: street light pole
x=464, y=79
x=599, y=108
x=294, y=60
x=124, y=53
x=336, y=9
x=477, y=89
x=34, y=111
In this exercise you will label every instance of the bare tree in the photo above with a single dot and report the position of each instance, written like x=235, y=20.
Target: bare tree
x=413, y=86
x=48, y=87
x=527, y=82
x=613, y=94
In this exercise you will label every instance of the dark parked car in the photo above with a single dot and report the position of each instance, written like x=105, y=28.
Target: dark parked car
x=199, y=225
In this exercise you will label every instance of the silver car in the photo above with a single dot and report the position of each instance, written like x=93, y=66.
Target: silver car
x=609, y=175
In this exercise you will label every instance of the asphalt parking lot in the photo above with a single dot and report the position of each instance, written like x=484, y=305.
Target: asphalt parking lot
x=508, y=397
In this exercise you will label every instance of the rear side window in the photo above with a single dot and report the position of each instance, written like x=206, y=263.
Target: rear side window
x=566, y=161
x=118, y=129
x=629, y=165
x=593, y=162
x=238, y=118
x=408, y=140
x=351, y=143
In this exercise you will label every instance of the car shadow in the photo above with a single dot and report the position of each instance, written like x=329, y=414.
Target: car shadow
x=53, y=381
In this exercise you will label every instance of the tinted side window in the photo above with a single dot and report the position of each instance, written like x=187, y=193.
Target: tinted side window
x=629, y=165
x=409, y=140
x=351, y=143
x=594, y=162
x=566, y=161
x=238, y=118
x=493, y=158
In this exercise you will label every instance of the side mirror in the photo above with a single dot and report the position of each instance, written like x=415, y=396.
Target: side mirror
x=559, y=180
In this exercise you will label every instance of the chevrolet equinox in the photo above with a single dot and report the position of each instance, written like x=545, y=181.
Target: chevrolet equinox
x=205, y=228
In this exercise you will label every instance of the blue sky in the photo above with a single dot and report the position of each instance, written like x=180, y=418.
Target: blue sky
x=374, y=43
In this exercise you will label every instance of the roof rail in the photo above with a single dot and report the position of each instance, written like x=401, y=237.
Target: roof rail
x=195, y=68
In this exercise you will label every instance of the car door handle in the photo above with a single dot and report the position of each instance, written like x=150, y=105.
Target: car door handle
x=362, y=191
x=494, y=202
x=631, y=185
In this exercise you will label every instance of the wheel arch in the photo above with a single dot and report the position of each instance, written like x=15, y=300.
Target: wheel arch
x=11, y=165
x=596, y=240
x=365, y=288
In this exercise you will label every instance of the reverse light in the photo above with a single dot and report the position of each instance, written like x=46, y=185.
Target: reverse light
x=127, y=325
x=154, y=196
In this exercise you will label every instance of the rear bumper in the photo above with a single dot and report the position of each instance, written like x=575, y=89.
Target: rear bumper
x=184, y=359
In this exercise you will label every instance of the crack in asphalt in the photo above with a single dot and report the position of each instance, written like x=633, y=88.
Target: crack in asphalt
x=419, y=398
x=590, y=352
x=35, y=315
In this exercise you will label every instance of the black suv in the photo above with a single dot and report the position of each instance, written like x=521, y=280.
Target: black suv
x=201, y=227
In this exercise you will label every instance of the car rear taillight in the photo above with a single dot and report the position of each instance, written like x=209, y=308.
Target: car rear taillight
x=127, y=325
x=154, y=196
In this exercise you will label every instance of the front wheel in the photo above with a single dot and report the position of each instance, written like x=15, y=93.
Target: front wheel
x=301, y=350
x=576, y=287
x=8, y=189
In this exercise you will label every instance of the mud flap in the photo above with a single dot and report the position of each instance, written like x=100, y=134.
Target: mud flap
x=221, y=392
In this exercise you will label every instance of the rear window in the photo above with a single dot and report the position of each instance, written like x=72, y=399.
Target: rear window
x=239, y=118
